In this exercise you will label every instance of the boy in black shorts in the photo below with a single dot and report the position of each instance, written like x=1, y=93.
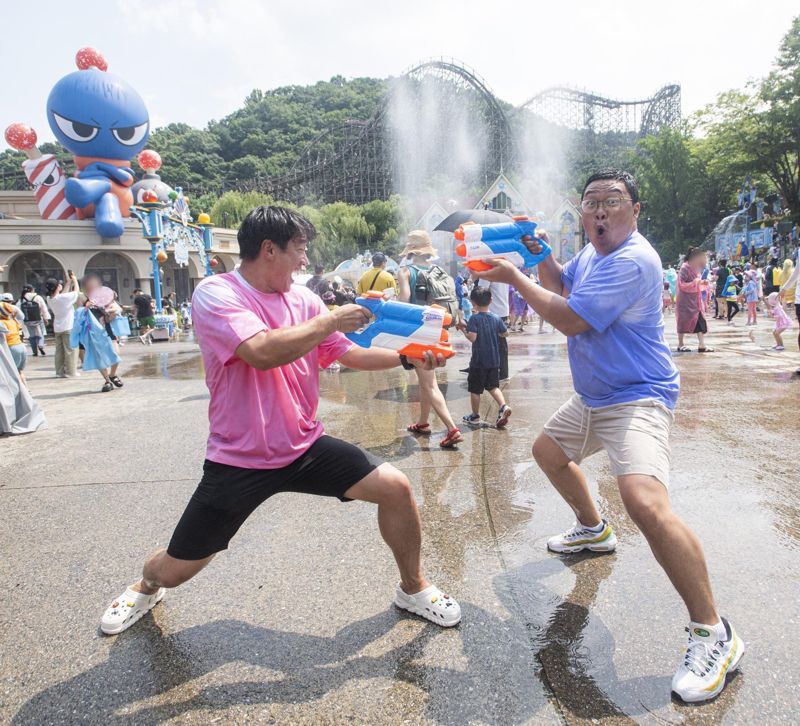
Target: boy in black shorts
x=484, y=330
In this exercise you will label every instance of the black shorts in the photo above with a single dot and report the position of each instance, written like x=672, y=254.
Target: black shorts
x=483, y=379
x=797, y=310
x=228, y=495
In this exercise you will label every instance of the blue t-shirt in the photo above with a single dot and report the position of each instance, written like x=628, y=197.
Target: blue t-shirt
x=486, y=348
x=624, y=356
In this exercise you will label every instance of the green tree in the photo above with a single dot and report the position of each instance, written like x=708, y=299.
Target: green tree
x=757, y=131
x=675, y=191
x=232, y=207
x=386, y=225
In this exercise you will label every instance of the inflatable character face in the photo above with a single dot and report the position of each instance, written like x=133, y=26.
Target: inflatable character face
x=97, y=114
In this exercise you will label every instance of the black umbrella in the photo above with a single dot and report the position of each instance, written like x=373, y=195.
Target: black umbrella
x=481, y=216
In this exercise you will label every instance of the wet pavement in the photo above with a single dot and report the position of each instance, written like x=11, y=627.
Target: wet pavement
x=294, y=623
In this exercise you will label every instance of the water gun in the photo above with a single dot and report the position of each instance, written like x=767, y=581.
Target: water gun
x=498, y=240
x=408, y=329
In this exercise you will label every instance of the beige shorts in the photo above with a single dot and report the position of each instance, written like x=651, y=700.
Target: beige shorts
x=635, y=435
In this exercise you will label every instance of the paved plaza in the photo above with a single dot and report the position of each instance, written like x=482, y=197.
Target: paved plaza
x=294, y=623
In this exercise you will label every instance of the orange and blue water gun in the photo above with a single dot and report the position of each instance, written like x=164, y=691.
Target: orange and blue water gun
x=503, y=239
x=409, y=329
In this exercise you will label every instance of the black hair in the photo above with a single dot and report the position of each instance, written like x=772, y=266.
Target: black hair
x=616, y=175
x=52, y=285
x=137, y=289
x=481, y=296
x=319, y=269
x=693, y=252
x=277, y=224
x=723, y=262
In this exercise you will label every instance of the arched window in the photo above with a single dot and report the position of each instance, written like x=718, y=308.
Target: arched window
x=33, y=268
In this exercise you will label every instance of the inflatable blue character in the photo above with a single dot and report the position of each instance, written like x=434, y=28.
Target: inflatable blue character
x=103, y=121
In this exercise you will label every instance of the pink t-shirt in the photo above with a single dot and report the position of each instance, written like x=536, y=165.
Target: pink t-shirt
x=258, y=419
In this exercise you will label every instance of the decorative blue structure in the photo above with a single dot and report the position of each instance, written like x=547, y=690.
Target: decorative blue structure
x=163, y=229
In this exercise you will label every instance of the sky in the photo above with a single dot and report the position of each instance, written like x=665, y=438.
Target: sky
x=196, y=60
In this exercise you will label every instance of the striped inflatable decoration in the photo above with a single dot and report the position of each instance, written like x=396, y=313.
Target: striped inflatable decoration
x=47, y=178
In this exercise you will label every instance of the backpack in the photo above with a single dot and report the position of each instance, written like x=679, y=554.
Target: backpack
x=433, y=286
x=31, y=310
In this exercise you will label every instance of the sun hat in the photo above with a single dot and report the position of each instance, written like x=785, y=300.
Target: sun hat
x=419, y=243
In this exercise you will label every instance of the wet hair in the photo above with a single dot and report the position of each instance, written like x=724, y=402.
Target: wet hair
x=693, y=252
x=480, y=296
x=52, y=285
x=277, y=224
x=319, y=269
x=615, y=175
x=27, y=289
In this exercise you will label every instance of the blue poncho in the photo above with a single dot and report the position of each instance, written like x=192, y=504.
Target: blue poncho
x=91, y=334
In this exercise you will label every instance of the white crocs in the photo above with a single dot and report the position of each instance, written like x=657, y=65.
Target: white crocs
x=127, y=609
x=430, y=603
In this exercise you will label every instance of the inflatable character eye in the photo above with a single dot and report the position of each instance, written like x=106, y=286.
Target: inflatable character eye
x=75, y=130
x=130, y=135
x=52, y=175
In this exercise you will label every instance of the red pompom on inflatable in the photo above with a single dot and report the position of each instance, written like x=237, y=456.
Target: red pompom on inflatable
x=214, y=262
x=20, y=137
x=149, y=196
x=87, y=58
x=149, y=160
x=161, y=256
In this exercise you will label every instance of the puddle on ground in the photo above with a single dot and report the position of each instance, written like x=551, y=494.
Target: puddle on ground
x=165, y=365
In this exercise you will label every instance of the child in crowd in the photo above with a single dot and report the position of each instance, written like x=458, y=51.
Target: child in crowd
x=517, y=308
x=484, y=331
x=782, y=321
x=666, y=297
x=730, y=293
x=750, y=292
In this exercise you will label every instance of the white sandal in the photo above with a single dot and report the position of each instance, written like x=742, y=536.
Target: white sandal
x=128, y=609
x=430, y=603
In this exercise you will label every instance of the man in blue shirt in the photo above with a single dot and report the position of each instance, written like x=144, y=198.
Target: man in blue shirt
x=607, y=300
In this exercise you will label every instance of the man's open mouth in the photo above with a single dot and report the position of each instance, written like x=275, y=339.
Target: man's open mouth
x=601, y=230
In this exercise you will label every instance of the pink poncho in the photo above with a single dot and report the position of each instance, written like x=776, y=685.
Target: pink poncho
x=690, y=302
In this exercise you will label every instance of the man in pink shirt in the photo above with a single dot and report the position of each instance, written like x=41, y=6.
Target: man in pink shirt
x=263, y=341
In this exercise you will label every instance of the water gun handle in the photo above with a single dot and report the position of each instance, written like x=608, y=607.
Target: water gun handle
x=373, y=301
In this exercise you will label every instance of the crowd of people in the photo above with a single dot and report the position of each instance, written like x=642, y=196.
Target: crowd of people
x=701, y=284
x=88, y=326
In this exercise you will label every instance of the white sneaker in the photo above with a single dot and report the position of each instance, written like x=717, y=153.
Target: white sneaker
x=579, y=538
x=706, y=663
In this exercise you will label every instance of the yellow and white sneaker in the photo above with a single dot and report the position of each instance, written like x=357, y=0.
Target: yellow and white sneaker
x=707, y=662
x=580, y=537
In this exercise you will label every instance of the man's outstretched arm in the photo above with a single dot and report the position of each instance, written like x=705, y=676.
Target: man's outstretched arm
x=275, y=348
x=550, y=305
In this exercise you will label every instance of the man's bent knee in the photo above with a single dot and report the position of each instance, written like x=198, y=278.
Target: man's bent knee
x=548, y=454
x=384, y=485
x=649, y=513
